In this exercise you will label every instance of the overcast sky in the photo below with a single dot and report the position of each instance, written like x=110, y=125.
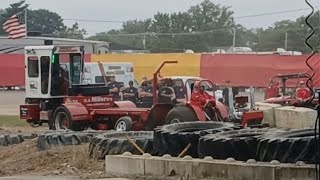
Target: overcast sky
x=122, y=10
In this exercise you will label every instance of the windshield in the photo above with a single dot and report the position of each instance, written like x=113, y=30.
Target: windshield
x=206, y=85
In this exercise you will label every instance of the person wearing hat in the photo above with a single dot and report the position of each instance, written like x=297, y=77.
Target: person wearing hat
x=130, y=93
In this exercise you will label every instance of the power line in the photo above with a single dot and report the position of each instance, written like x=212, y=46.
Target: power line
x=91, y=20
x=171, y=34
x=190, y=33
x=273, y=13
x=238, y=17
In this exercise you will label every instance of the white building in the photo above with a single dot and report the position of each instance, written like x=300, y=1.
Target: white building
x=9, y=46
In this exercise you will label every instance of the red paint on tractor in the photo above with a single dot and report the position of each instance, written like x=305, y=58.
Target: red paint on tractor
x=78, y=111
x=198, y=111
x=30, y=111
x=223, y=110
x=253, y=117
x=124, y=104
x=92, y=102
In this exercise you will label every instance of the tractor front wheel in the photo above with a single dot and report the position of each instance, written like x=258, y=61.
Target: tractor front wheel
x=180, y=114
x=123, y=124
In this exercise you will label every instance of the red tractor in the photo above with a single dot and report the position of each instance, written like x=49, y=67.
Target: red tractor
x=289, y=90
x=55, y=95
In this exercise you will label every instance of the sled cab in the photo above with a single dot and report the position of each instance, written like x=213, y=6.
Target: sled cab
x=51, y=70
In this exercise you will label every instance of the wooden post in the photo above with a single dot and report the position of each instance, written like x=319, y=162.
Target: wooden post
x=134, y=144
x=185, y=150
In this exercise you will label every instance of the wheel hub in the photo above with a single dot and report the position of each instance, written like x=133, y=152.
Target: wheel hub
x=61, y=121
x=121, y=126
x=175, y=120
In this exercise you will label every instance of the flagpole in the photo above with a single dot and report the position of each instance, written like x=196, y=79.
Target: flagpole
x=26, y=21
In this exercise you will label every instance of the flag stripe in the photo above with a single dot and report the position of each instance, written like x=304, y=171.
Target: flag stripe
x=17, y=36
x=18, y=31
x=15, y=26
x=13, y=23
x=13, y=18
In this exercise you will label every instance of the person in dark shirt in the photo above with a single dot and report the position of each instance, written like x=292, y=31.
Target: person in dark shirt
x=146, y=94
x=114, y=88
x=166, y=93
x=130, y=93
x=179, y=89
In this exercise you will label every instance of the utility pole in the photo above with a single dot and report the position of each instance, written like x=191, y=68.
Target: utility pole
x=286, y=42
x=144, y=42
x=234, y=38
x=26, y=20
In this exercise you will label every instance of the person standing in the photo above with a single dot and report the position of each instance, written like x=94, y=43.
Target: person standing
x=114, y=88
x=130, y=93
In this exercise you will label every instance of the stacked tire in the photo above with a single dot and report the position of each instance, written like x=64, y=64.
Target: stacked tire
x=64, y=138
x=288, y=147
x=239, y=144
x=11, y=139
x=174, y=138
x=114, y=143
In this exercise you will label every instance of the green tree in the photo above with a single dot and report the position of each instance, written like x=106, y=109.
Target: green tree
x=216, y=20
x=10, y=11
x=74, y=32
x=45, y=21
x=290, y=33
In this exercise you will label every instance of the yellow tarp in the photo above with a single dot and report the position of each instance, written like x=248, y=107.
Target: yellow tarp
x=146, y=64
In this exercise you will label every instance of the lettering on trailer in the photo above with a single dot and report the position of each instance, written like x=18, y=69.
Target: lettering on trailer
x=97, y=99
x=68, y=100
x=24, y=111
x=67, y=50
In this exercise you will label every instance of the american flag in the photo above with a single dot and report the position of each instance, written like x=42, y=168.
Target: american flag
x=15, y=26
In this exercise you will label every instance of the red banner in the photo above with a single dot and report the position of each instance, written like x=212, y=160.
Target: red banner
x=12, y=69
x=254, y=70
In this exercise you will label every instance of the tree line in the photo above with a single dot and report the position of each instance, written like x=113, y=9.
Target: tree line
x=205, y=27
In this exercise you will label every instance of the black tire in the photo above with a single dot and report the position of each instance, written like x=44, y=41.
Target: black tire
x=123, y=124
x=114, y=143
x=173, y=138
x=62, y=112
x=180, y=114
x=239, y=144
x=288, y=147
x=63, y=138
x=11, y=139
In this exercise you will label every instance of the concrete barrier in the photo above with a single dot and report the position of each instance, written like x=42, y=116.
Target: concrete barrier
x=268, y=112
x=188, y=168
x=295, y=117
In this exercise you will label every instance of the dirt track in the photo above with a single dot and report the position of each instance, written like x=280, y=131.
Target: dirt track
x=24, y=159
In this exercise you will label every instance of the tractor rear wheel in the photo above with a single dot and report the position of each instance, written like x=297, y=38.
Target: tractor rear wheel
x=180, y=114
x=62, y=120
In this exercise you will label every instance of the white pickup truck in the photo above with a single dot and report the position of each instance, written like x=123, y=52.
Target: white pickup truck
x=191, y=79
